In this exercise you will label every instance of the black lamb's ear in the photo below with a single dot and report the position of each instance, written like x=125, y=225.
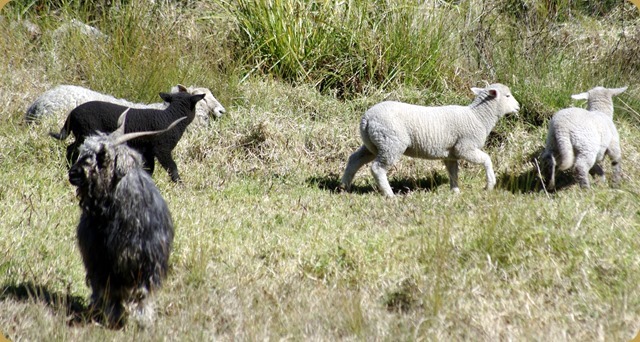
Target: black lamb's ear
x=195, y=98
x=166, y=97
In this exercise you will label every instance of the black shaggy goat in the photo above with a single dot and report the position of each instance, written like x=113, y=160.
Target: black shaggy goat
x=125, y=231
x=96, y=116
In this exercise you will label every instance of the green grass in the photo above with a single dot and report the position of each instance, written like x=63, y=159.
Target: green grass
x=266, y=247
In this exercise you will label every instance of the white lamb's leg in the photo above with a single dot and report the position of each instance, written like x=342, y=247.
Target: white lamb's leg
x=548, y=166
x=597, y=173
x=615, y=155
x=356, y=161
x=452, y=169
x=387, y=156
x=379, y=171
x=480, y=157
x=582, y=167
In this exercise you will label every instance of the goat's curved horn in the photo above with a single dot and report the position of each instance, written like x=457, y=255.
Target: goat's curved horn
x=121, y=120
x=126, y=137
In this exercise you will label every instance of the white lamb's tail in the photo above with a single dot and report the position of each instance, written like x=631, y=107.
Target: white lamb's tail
x=364, y=134
x=565, y=155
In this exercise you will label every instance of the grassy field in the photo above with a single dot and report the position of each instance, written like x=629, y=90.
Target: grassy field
x=266, y=246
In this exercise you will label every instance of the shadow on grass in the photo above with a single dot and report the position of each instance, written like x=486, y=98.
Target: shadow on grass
x=530, y=180
x=331, y=183
x=73, y=306
x=525, y=182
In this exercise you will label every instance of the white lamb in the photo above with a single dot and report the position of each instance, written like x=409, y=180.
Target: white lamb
x=580, y=138
x=62, y=99
x=391, y=129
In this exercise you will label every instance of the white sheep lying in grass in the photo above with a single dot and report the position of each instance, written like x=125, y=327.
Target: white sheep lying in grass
x=580, y=138
x=391, y=129
x=60, y=100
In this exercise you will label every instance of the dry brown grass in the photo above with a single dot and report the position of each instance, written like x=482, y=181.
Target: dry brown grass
x=266, y=248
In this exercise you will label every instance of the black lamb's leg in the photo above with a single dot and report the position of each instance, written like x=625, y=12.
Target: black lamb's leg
x=148, y=161
x=167, y=162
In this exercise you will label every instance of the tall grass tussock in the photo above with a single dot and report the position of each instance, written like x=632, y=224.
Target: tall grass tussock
x=266, y=246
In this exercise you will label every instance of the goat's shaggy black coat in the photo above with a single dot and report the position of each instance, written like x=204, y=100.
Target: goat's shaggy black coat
x=125, y=231
x=92, y=117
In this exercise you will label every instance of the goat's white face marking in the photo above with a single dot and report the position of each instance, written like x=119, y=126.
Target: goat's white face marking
x=93, y=158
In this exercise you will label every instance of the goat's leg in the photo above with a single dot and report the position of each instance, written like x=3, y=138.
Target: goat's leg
x=141, y=307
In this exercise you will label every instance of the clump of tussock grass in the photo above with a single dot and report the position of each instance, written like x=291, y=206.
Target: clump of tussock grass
x=341, y=47
x=404, y=298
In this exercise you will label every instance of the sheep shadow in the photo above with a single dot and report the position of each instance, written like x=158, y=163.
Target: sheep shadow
x=524, y=182
x=73, y=307
x=404, y=186
x=531, y=180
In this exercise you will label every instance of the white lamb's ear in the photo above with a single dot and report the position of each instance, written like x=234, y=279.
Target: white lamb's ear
x=476, y=91
x=581, y=96
x=617, y=91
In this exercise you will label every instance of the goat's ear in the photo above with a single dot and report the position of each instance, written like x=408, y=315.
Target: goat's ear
x=581, y=96
x=196, y=98
x=182, y=89
x=166, y=97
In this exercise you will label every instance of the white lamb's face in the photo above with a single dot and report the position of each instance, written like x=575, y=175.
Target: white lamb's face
x=511, y=103
x=503, y=95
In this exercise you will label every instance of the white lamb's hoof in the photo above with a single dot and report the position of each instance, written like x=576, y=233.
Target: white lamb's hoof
x=456, y=190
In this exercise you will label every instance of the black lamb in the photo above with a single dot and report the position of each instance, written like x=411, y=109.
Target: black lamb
x=96, y=116
x=125, y=231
